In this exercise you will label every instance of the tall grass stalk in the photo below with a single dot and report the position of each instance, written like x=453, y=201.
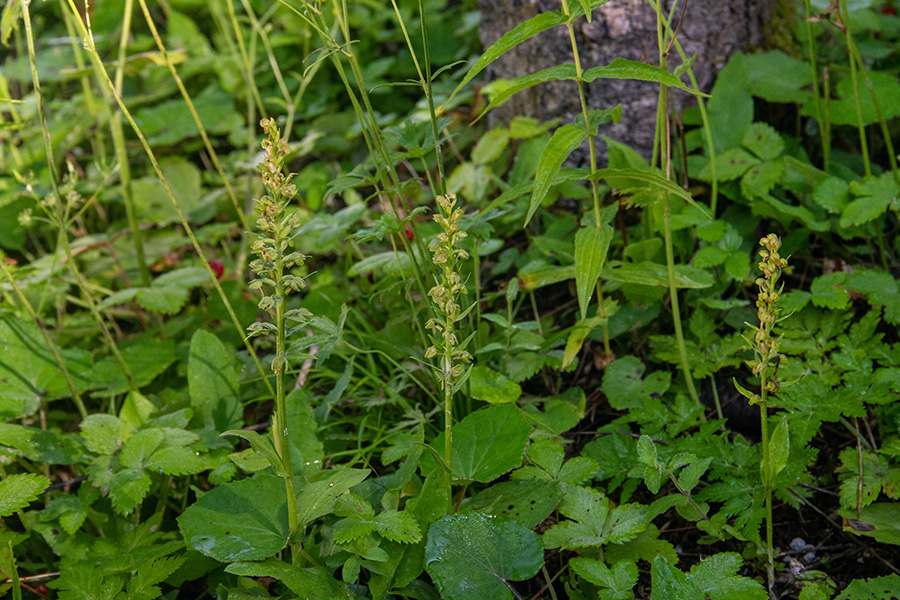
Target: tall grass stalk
x=666, y=155
x=95, y=57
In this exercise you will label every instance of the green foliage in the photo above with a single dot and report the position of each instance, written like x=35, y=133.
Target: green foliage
x=169, y=430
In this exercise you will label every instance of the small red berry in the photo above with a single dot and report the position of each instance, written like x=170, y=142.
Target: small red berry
x=409, y=233
x=218, y=267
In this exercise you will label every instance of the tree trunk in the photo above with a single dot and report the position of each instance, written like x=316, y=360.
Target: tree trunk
x=711, y=29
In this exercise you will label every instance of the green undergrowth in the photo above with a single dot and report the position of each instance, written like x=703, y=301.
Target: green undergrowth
x=279, y=317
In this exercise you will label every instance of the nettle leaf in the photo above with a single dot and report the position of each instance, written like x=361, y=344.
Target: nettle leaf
x=19, y=490
x=471, y=556
x=873, y=197
x=616, y=583
x=490, y=386
x=213, y=383
x=127, y=489
x=593, y=522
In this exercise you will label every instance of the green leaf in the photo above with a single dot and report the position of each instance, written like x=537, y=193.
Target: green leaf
x=501, y=90
x=717, y=578
x=593, y=522
x=490, y=146
x=624, y=384
x=874, y=196
x=763, y=140
x=104, y=434
x=146, y=356
x=564, y=141
x=11, y=13
x=880, y=520
x=779, y=449
x=490, y=386
x=576, y=338
x=213, y=383
x=318, y=498
x=622, y=68
x=591, y=246
x=307, y=452
x=392, y=263
x=832, y=194
x=166, y=300
x=398, y=527
x=312, y=583
x=242, y=520
x=511, y=39
x=127, y=489
x=528, y=501
x=19, y=490
x=616, y=583
x=29, y=371
x=487, y=443
x=730, y=164
x=41, y=446
x=730, y=109
x=877, y=588
x=470, y=556
x=828, y=291
x=650, y=273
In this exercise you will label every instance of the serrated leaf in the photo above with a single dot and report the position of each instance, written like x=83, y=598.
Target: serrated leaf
x=471, y=555
x=127, y=490
x=874, y=196
x=591, y=246
x=492, y=387
x=548, y=454
x=398, y=526
x=828, y=291
x=103, y=434
x=19, y=490
x=42, y=446
x=716, y=576
x=166, y=300
x=618, y=581
x=763, y=140
x=877, y=588
x=730, y=164
x=832, y=194
x=528, y=501
x=175, y=460
x=348, y=529
x=690, y=475
x=593, y=522
x=561, y=145
x=318, y=498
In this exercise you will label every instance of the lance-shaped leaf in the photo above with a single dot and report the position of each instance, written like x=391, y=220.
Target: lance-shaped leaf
x=564, y=141
x=591, y=246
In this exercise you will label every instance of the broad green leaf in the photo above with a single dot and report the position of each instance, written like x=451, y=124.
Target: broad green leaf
x=829, y=291
x=490, y=146
x=668, y=582
x=777, y=77
x=650, y=273
x=779, y=449
x=41, y=446
x=730, y=164
x=880, y=520
x=19, y=490
x=626, y=387
x=547, y=454
x=622, y=68
x=564, y=141
x=490, y=386
x=591, y=246
x=730, y=109
x=307, y=452
x=398, y=526
x=877, y=588
x=528, y=501
x=832, y=194
x=717, y=579
x=127, y=489
x=213, y=383
x=166, y=300
x=511, y=39
x=136, y=409
x=843, y=110
x=242, y=520
x=489, y=442
x=314, y=583
x=646, y=451
x=28, y=370
x=471, y=555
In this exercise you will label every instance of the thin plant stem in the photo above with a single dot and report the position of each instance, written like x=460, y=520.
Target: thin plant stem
x=92, y=50
x=667, y=222
x=811, y=53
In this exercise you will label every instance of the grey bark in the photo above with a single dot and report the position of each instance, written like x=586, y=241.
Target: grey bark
x=711, y=29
